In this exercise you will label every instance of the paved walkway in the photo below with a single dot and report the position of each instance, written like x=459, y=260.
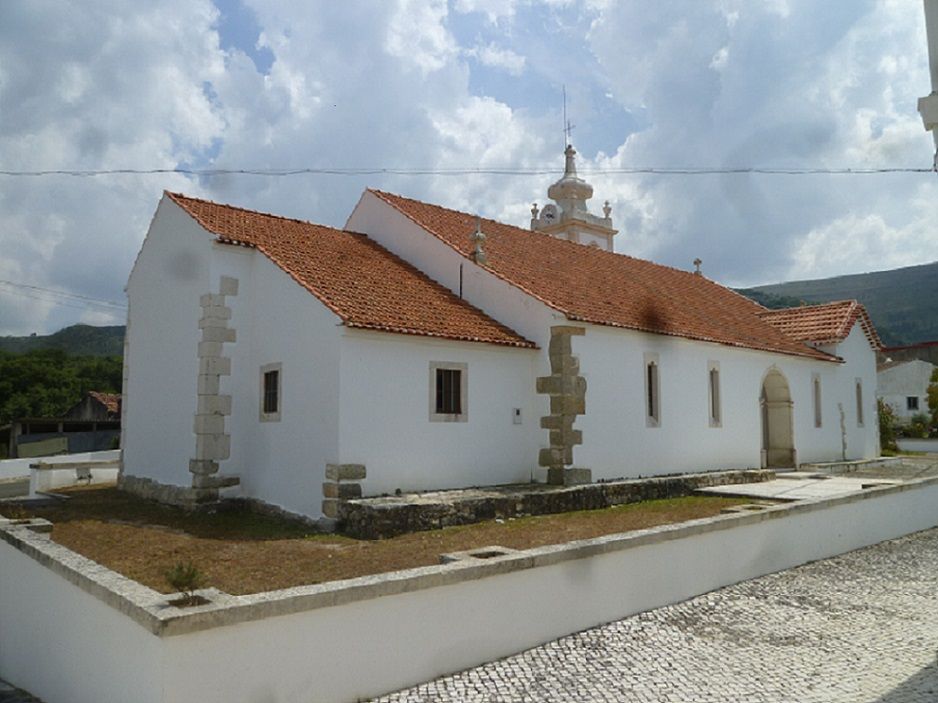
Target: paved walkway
x=858, y=628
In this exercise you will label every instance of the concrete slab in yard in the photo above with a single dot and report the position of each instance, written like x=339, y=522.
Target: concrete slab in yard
x=800, y=485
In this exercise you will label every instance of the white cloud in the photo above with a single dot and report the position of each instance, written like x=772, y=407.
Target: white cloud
x=494, y=10
x=498, y=57
x=408, y=83
x=859, y=243
x=416, y=34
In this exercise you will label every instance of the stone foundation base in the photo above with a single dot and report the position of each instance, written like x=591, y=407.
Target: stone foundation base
x=194, y=498
x=181, y=496
x=559, y=476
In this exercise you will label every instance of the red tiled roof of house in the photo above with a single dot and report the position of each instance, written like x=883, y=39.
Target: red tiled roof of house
x=361, y=282
x=110, y=401
x=823, y=324
x=592, y=285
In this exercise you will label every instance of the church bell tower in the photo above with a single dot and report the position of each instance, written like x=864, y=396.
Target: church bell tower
x=567, y=217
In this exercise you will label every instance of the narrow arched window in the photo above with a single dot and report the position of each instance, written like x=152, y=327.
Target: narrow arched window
x=716, y=412
x=816, y=392
x=652, y=392
x=859, y=388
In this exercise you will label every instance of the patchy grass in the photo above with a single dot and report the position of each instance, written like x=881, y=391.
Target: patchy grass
x=242, y=552
x=901, y=452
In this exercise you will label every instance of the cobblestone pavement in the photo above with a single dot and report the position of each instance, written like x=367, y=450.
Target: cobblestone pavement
x=858, y=628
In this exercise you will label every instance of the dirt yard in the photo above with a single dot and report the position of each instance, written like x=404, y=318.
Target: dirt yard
x=241, y=552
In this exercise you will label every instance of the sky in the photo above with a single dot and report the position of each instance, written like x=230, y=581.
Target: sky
x=463, y=84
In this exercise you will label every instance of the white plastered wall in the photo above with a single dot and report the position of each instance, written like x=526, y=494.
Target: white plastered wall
x=279, y=321
x=486, y=291
x=617, y=441
x=385, y=413
x=859, y=363
x=171, y=272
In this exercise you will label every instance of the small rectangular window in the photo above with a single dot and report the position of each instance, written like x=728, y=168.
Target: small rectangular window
x=714, y=383
x=652, y=391
x=448, y=392
x=448, y=397
x=270, y=392
x=859, y=388
x=911, y=402
x=816, y=392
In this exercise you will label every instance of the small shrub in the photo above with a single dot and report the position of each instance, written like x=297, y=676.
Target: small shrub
x=186, y=578
x=887, y=426
x=918, y=427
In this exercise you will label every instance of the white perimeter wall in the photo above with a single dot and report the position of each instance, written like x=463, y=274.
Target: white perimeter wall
x=162, y=366
x=362, y=649
x=279, y=321
x=54, y=636
x=385, y=413
x=618, y=443
x=66, y=646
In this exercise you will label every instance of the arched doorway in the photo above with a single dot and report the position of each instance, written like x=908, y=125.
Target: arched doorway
x=778, y=443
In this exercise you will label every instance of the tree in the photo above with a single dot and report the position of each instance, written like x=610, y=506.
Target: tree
x=933, y=397
x=45, y=383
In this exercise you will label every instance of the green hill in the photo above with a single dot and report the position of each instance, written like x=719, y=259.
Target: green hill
x=77, y=340
x=902, y=302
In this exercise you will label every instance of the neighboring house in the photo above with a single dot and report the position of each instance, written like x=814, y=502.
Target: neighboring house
x=96, y=405
x=92, y=424
x=424, y=348
x=904, y=386
x=925, y=351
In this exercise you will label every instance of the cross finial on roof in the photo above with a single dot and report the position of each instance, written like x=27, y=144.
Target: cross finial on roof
x=697, y=262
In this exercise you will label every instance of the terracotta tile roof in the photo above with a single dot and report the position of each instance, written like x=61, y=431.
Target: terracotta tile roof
x=823, y=324
x=110, y=401
x=361, y=282
x=593, y=285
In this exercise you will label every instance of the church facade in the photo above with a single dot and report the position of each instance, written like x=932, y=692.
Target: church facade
x=424, y=348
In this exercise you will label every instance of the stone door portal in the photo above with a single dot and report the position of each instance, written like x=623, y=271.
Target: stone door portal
x=778, y=445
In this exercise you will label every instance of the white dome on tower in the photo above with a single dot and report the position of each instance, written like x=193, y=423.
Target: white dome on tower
x=569, y=218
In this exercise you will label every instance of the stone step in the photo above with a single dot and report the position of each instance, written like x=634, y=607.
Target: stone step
x=216, y=481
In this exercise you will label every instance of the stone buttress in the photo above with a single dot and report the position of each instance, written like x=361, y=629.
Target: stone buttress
x=567, y=391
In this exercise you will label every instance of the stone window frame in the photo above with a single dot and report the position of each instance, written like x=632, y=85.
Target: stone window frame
x=714, y=394
x=817, y=399
x=463, y=368
x=911, y=403
x=858, y=389
x=266, y=369
x=651, y=370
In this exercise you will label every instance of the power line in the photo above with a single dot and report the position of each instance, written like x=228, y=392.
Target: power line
x=60, y=297
x=466, y=171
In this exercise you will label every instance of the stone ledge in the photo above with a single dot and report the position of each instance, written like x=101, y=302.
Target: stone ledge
x=375, y=518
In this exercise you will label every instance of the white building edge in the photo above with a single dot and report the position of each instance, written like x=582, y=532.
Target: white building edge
x=423, y=348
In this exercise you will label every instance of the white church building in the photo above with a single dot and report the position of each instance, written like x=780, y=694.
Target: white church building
x=424, y=348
